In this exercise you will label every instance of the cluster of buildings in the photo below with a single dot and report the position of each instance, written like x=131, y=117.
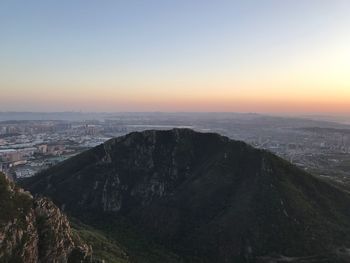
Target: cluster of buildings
x=18, y=162
x=26, y=147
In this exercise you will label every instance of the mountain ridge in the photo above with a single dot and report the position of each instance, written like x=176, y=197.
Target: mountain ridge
x=203, y=196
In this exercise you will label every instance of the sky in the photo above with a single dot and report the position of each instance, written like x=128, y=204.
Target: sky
x=270, y=56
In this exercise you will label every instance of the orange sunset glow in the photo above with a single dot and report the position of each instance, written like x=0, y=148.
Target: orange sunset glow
x=279, y=57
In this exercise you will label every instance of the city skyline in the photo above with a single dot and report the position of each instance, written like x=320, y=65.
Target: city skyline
x=242, y=56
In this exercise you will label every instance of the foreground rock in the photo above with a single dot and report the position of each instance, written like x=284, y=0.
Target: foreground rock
x=34, y=230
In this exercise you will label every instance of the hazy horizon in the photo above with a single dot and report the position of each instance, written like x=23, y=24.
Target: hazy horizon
x=311, y=115
x=270, y=57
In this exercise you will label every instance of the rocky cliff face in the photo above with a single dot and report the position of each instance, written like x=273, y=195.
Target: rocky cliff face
x=205, y=197
x=34, y=230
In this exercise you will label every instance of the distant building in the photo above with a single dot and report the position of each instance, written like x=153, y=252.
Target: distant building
x=55, y=149
x=10, y=155
x=24, y=171
x=91, y=130
x=42, y=148
x=4, y=166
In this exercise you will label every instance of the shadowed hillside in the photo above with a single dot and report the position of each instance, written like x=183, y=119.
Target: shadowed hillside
x=201, y=197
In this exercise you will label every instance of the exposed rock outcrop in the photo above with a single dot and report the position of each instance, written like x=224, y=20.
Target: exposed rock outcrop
x=35, y=231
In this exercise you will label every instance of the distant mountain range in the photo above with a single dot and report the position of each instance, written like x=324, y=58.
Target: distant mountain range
x=184, y=196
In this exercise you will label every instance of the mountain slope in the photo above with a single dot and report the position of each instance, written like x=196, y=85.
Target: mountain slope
x=34, y=230
x=204, y=197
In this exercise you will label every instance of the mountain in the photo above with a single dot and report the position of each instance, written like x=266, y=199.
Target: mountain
x=200, y=197
x=34, y=230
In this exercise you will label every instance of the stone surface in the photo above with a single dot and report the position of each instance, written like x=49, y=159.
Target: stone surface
x=33, y=230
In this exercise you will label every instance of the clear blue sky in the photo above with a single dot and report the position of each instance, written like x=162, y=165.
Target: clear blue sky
x=173, y=55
